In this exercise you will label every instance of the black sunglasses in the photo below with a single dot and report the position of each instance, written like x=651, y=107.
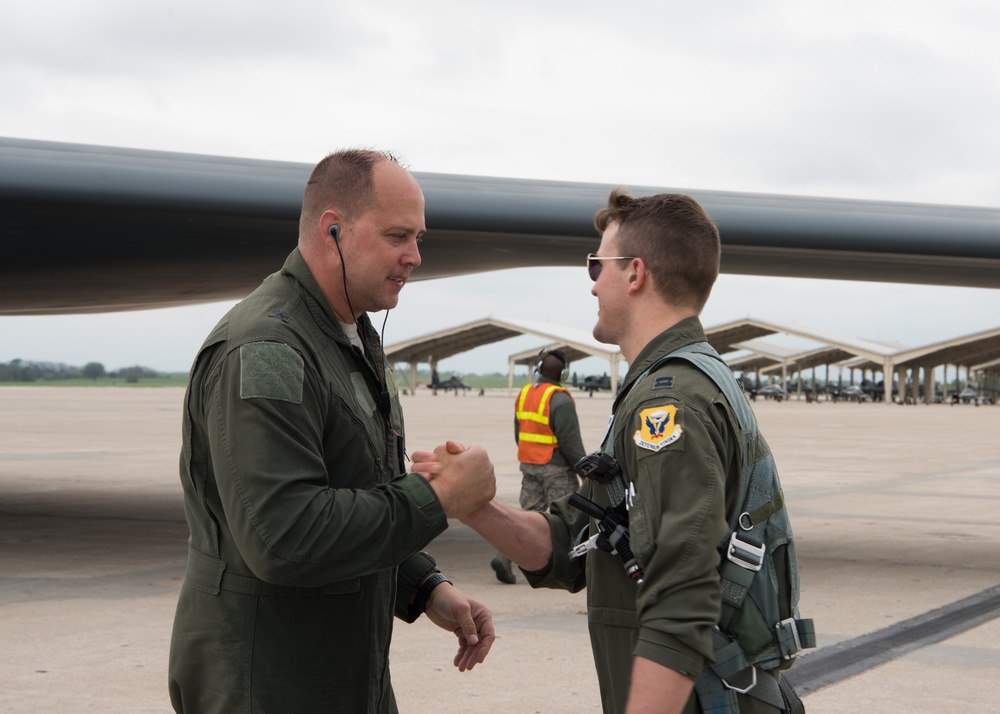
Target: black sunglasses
x=594, y=263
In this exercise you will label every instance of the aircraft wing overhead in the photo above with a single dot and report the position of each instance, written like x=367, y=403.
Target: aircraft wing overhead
x=93, y=229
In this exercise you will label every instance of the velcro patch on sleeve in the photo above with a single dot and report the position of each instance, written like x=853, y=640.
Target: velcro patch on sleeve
x=659, y=427
x=271, y=370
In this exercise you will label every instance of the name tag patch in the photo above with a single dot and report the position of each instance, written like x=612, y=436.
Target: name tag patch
x=658, y=427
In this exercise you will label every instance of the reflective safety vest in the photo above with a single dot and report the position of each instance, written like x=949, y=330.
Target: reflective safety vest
x=535, y=439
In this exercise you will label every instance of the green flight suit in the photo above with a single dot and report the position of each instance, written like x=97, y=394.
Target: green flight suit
x=686, y=485
x=305, y=537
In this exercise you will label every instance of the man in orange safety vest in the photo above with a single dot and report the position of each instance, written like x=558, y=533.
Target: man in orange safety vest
x=547, y=432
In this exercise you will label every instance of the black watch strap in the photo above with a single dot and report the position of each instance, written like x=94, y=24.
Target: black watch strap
x=425, y=590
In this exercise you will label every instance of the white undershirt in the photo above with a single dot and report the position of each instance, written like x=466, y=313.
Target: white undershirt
x=351, y=330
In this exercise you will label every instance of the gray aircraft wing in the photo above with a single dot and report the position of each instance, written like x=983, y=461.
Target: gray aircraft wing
x=91, y=229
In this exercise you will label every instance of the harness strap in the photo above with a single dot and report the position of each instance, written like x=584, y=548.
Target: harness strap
x=716, y=696
x=713, y=696
x=731, y=675
x=793, y=705
x=745, y=550
x=795, y=635
x=744, y=554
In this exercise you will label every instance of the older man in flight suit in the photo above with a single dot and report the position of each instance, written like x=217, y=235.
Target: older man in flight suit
x=306, y=534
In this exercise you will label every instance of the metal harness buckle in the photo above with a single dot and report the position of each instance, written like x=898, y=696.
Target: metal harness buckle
x=746, y=555
x=753, y=683
x=789, y=625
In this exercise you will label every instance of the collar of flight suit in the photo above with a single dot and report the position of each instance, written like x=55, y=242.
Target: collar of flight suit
x=685, y=332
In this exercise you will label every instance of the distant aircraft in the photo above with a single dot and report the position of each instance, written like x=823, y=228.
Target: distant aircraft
x=769, y=391
x=875, y=390
x=452, y=383
x=967, y=395
x=852, y=393
x=87, y=229
x=592, y=383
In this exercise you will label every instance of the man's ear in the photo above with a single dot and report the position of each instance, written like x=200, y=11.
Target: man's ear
x=330, y=222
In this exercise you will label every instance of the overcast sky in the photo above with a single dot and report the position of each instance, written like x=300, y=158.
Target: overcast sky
x=871, y=99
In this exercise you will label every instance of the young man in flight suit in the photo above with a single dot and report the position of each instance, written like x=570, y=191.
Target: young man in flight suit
x=677, y=441
x=305, y=531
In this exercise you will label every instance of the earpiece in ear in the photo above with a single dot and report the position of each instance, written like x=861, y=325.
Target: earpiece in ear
x=335, y=232
x=631, y=278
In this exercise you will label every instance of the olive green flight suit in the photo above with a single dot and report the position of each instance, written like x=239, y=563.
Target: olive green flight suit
x=685, y=492
x=305, y=537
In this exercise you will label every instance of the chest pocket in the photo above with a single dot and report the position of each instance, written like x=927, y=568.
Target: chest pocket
x=355, y=452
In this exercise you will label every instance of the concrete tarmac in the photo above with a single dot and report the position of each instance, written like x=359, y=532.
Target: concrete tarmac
x=894, y=509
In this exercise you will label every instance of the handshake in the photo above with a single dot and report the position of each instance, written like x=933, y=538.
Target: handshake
x=462, y=478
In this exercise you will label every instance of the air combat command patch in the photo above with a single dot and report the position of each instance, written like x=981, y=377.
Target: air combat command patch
x=658, y=427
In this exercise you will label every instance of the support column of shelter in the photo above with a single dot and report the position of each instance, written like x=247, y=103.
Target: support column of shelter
x=615, y=363
x=413, y=377
x=887, y=377
x=928, y=384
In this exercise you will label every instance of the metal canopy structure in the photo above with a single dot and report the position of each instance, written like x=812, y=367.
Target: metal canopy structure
x=970, y=350
x=765, y=357
x=734, y=336
x=726, y=338
x=762, y=355
x=979, y=352
x=529, y=357
x=434, y=347
x=975, y=352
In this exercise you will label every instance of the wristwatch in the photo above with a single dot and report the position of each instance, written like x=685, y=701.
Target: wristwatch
x=424, y=593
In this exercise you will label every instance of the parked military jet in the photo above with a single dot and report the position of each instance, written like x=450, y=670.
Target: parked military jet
x=968, y=395
x=593, y=383
x=453, y=383
x=769, y=391
x=852, y=393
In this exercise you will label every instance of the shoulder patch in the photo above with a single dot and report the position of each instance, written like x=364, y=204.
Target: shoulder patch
x=271, y=370
x=663, y=382
x=658, y=427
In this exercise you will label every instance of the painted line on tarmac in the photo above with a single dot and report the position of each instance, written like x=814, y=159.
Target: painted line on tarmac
x=849, y=658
